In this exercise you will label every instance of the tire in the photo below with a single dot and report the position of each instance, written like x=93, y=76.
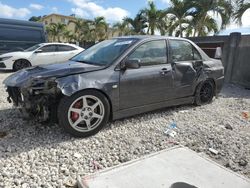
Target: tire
x=21, y=64
x=204, y=93
x=81, y=120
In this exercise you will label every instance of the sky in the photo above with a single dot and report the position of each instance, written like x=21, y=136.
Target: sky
x=112, y=10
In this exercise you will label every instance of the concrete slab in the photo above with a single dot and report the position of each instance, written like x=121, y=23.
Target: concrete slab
x=173, y=168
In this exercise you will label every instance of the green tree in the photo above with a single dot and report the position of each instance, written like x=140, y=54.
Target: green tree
x=82, y=30
x=179, y=16
x=164, y=25
x=240, y=10
x=135, y=25
x=51, y=33
x=120, y=28
x=56, y=31
x=209, y=25
x=99, y=28
x=35, y=18
x=204, y=22
x=68, y=36
x=154, y=18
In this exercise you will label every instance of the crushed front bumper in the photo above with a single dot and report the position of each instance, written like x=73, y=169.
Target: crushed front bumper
x=38, y=102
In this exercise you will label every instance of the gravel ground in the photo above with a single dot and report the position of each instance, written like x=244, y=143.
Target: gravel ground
x=34, y=155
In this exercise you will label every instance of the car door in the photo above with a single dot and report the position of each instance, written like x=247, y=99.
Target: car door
x=44, y=55
x=186, y=63
x=152, y=82
x=64, y=52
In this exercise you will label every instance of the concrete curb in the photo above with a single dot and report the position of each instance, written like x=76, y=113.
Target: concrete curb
x=82, y=181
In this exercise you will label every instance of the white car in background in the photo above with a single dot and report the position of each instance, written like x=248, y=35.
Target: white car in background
x=44, y=53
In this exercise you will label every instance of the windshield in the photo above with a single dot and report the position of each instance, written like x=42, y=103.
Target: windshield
x=32, y=48
x=105, y=52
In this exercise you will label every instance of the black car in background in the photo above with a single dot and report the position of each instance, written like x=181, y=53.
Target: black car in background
x=17, y=35
x=114, y=79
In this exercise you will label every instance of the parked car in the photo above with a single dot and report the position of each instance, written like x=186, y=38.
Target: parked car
x=44, y=53
x=114, y=79
x=17, y=35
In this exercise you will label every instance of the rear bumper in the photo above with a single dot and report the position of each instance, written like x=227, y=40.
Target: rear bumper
x=219, y=84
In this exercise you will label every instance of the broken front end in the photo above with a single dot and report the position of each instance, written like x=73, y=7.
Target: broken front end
x=38, y=98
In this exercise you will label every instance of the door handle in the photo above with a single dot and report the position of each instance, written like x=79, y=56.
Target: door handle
x=164, y=71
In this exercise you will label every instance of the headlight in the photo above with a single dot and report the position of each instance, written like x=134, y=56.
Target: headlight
x=5, y=58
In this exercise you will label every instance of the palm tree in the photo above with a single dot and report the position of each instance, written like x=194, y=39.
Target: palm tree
x=56, y=30
x=82, y=30
x=164, y=23
x=51, y=32
x=209, y=25
x=179, y=16
x=204, y=22
x=240, y=10
x=136, y=25
x=69, y=36
x=154, y=17
x=99, y=28
x=120, y=28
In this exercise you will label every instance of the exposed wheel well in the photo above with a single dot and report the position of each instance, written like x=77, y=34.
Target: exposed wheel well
x=210, y=80
x=213, y=82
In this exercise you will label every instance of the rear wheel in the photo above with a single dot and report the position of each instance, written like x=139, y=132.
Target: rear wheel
x=21, y=64
x=204, y=93
x=84, y=113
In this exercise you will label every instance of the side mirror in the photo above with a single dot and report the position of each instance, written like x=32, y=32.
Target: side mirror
x=197, y=63
x=132, y=64
x=38, y=51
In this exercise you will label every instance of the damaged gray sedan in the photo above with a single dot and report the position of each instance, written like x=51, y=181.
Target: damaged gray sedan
x=114, y=79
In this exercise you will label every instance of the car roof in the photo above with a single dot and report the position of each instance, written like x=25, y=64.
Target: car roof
x=57, y=43
x=143, y=37
x=152, y=37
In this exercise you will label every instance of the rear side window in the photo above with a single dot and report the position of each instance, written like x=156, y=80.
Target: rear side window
x=64, y=48
x=48, y=48
x=197, y=55
x=183, y=51
x=151, y=53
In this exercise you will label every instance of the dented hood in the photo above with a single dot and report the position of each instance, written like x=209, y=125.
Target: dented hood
x=47, y=71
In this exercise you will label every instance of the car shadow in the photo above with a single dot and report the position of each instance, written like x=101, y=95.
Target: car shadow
x=147, y=115
x=6, y=71
x=18, y=135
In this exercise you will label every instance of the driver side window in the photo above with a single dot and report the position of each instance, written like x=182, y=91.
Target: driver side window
x=48, y=48
x=150, y=53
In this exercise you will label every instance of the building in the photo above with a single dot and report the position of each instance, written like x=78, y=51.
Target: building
x=57, y=18
x=70, y=26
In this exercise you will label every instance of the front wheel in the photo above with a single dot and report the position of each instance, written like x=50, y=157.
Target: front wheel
x=21, y=64
x=204, y=93
x=84, y=113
